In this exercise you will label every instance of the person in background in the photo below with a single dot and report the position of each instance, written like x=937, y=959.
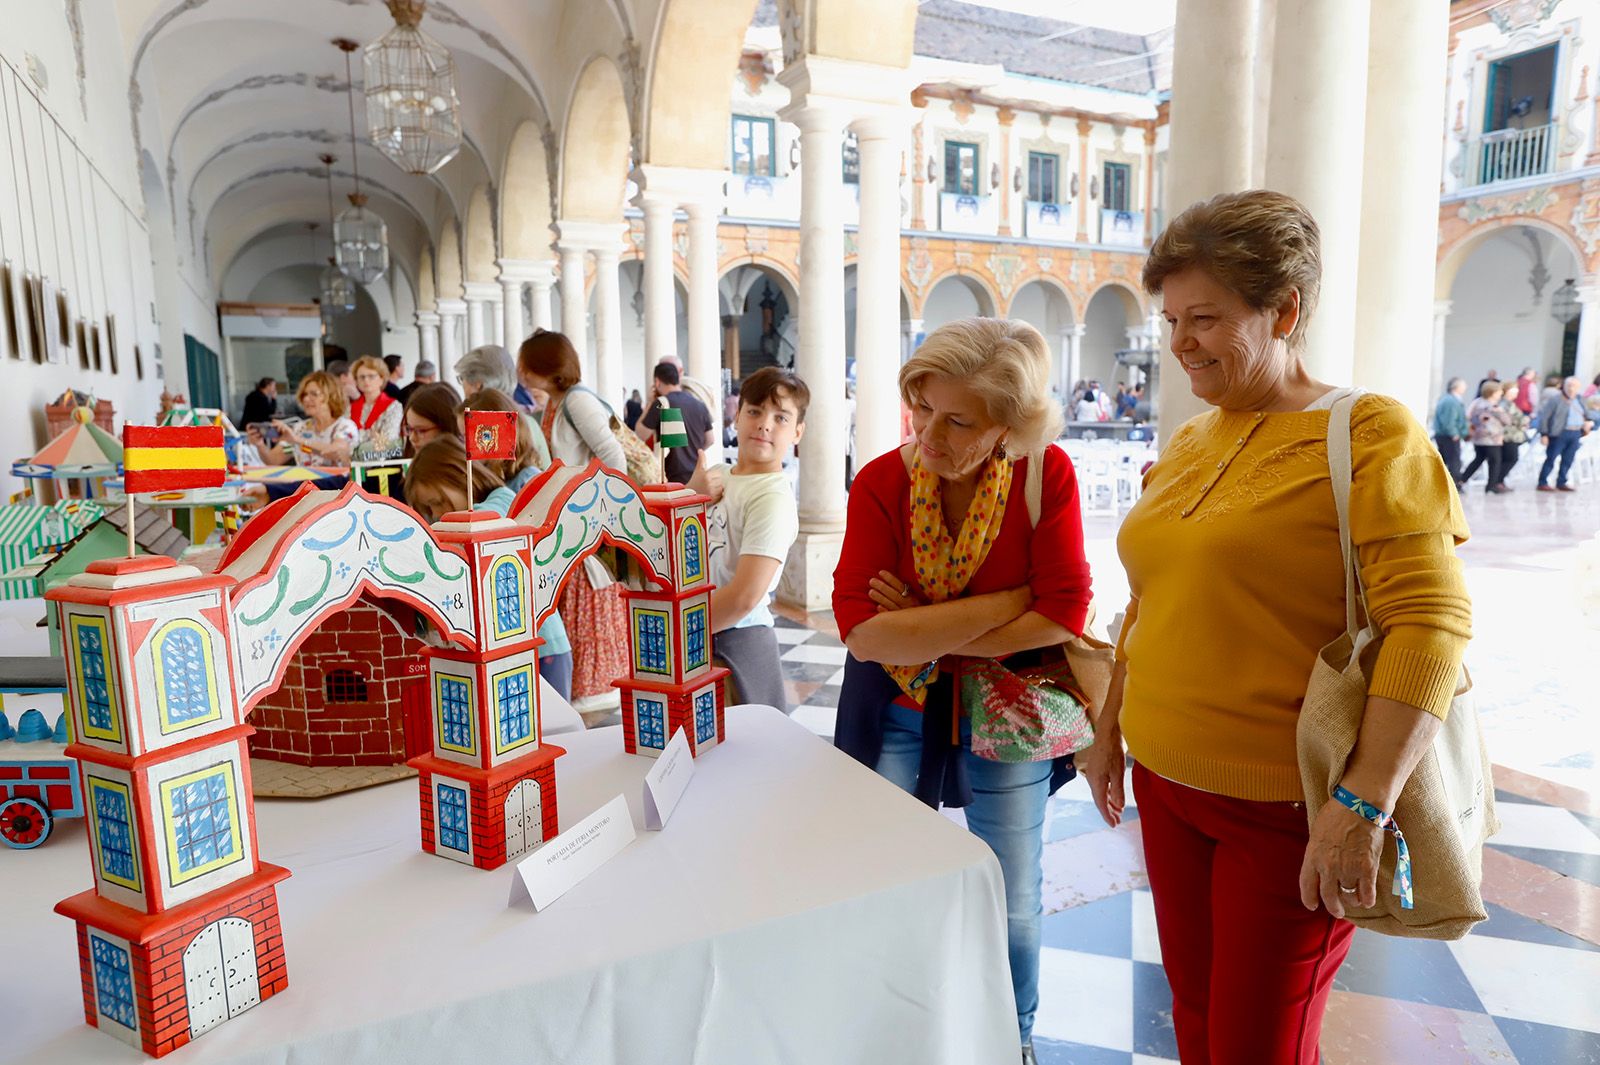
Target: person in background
x=1103, y=398
x=486, y=366
x=261, y=405
x=578, y=425
x=326, y=438
x=347, y=382
x=1516, y=433
x=684, y=459
x=1492, y=375
x=750, y=529
x=427, y=374
x=397, y=373
x=633, y=409
x=1488, y=428
x=1125, y=402
x=1526, y=395
x=431, y=412
x=1141, y=404
x=1564, y=423
x=1450, y=425
x=375, y=412
x=1087, y=408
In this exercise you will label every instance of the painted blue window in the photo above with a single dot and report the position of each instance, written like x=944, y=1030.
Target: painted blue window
x=455, y=713
x=115, y=833
x=113, y=982
x=516, y=718
x=202, y=819
x=186, y=687
x=96, y=698
x=691, y=551
x=705, y=716
x=453, y=830
x=507, y=598
x=651, y=635
x=652, y=723
x=694, y=628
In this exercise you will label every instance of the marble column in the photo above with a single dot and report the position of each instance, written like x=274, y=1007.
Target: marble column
x=480, y=303
x=1399, y=214
x=512, y=328
x=497, y=317
x=451, y=315
x=1210, y=131
x=608, y=320
x=1318, y=116
x=704, y=361
x=1441, y=316
x=428, y=337
x=540, y=283
x=1084, y=179
x=574, y=303
x=878, y=286
x=660, y=301
x=1584, y=368
x=1072, y=337
x=808, y=576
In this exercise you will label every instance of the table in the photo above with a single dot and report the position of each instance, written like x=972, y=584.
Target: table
x=796, y=909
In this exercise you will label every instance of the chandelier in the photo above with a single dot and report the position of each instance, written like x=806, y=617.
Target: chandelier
x=413, y=113
x=338, y=291
x=1564, y=305
x=360, y=237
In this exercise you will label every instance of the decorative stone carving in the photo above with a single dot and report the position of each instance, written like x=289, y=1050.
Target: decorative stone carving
x=1531, y=202
x=1515, y=15
x=1005, y=267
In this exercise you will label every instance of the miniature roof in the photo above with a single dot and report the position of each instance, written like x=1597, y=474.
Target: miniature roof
x=80, y=444
x=153, y=532
x=20, y=523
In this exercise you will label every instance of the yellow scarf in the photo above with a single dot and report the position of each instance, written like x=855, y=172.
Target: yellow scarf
x=945, y=563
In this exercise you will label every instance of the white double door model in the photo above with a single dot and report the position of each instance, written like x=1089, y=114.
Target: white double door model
x=219, y=971
x=524, y=819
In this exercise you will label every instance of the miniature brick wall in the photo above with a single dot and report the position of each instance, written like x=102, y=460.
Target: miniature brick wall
x=295, y=724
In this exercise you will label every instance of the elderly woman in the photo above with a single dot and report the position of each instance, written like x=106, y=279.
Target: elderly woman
x=375, y=412
x=1233, y=560
x=942, y=561
x=1488, y=430
x=489, y=366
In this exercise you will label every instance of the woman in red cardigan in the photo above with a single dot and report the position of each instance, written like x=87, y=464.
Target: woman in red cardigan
x=941, y=561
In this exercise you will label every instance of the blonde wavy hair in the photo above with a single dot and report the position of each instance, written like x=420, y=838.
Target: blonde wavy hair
x=1005, y=363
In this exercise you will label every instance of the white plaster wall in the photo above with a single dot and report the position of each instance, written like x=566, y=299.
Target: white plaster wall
x=1050, y=313
x=1107, y=321
x=1493, y=321
x=949, y=300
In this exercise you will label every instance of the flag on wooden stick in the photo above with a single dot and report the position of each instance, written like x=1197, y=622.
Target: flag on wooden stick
x=673, y=433
x=171, y=458
x=491, y=434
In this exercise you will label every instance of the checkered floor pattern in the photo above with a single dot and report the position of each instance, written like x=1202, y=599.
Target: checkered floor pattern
x=1523, y=988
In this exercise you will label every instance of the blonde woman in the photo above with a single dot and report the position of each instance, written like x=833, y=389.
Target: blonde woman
x=1233, y=559
x=325, y=438
x=942, y=561
x=375, y=412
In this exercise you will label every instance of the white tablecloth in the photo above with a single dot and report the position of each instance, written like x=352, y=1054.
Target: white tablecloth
x=796, y=909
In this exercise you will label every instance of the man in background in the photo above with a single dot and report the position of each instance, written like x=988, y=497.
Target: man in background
x=681, y=461
x=427, y=373
x=397, y=373
x=261, y=405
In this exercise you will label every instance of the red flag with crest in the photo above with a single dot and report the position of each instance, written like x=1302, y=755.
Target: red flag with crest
x=491, y=434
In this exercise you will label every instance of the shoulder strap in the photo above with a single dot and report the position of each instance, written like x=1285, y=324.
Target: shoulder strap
x=1339, y=473
x=1033, y=486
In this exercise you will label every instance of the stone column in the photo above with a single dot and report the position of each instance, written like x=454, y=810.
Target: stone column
x=808, y=577
x=878, y=286
x=1209, y=150
x=574, y=301
x=1006, y=117
x=608, y=320
x=451, y=313
x=1149, y=183
x=730, y=344
x=480, y=302
x=1588, y=330
x=428, y=337
x=512, y=328
x=919, y=162
x=1441, y=315
x=1083, y=179
x=497, y=317
x=540, y=282
x=1318, y=115
x=1400, y=190
x=704, y=360
x=660, y=302
x=1072, y=337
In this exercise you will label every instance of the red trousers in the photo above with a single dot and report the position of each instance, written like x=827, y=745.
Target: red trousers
x=1250, y=967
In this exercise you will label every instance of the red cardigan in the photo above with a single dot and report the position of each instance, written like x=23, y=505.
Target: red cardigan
x=1048, y=558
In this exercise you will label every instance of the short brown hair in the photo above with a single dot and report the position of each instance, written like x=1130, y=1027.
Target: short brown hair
x=1259, y=244
x=331, y=390
x=1490, y=387
x=436, y=403
x=550, y=354
x=774, y=383
x=496, y=400
x=370, y=362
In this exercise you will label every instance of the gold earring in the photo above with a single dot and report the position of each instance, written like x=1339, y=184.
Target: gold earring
x=1000, y=450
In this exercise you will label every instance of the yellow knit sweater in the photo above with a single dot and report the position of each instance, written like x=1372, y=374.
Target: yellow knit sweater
x=1232, y=555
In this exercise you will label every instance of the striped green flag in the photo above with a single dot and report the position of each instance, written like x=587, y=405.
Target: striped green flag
x=673, y=434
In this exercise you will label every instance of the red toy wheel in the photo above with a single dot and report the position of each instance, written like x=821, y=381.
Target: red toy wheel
x=24, y=824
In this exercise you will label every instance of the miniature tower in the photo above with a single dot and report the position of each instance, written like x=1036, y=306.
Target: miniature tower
x=488, y=788
x=672, y=683
x=180, y=931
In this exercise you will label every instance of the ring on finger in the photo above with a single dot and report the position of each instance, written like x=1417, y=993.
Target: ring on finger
x=1347, y=890
x=905, y=590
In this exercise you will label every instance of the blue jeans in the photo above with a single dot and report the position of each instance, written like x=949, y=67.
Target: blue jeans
x=1563, y=446
x=1007, y=813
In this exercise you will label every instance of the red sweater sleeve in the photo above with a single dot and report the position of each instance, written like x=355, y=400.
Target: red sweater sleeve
x=873, y=534
x=1058, y=572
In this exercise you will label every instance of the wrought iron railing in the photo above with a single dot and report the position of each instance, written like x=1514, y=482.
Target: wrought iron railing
x=1510, y=154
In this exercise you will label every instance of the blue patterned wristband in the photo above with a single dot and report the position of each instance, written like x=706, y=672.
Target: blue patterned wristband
x=1402, y=861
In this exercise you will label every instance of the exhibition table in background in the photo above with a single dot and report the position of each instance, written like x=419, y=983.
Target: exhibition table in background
x=796, y=909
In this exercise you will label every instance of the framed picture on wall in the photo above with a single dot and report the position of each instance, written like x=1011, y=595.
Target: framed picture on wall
x=38, y=295
x=64, y=332
x=10, y=324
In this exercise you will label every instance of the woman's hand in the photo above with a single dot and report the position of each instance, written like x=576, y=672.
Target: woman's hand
x=1102, y=766
x=891, y=593
x=1341, y=862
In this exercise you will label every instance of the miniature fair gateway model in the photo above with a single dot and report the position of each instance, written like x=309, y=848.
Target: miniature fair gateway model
x=181, y=929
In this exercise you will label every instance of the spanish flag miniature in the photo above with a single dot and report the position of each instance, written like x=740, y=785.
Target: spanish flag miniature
x=171, y=458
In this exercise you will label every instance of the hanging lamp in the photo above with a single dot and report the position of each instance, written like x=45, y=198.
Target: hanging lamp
x=360, y=237
x=413, y=113
x=338, y=291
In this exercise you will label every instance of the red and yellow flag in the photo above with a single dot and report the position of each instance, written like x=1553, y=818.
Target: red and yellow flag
x=491, y=434
x=159, y=458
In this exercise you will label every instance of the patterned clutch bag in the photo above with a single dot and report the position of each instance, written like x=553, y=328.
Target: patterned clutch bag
x=1031, y=715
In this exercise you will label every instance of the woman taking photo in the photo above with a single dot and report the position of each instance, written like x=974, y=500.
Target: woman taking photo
x=577, y=423
x=942, y=562
x=1237, y=577
x=325, y=438
x=375, y=412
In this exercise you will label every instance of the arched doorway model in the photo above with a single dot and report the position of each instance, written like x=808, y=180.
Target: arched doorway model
x=164, y=664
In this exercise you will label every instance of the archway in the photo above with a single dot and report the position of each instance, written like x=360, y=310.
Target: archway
x=956, y=296
x=760, y=319
x=1043, y=304
x=1500, y=307
x=1113, y=313
x=594, y=146
x=636, y=363
x=525, y=197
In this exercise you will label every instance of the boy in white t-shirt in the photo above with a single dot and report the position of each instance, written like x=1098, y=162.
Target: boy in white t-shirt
x=751, y=528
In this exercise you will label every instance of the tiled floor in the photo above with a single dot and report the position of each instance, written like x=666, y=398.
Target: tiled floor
x=1523, y=989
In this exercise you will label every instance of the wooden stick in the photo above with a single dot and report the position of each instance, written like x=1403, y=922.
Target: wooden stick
x=131, y=546
x=469, y=484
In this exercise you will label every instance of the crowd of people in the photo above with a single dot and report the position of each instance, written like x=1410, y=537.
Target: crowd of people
x=1506, y=416
x=1092, y=402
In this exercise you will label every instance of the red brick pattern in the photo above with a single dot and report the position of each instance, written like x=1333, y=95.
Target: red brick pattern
x=296, y=725
x=486, y=807
x=680, y=714
x=159, y=987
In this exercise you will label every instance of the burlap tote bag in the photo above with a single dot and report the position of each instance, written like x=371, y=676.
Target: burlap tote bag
x=1446, y=809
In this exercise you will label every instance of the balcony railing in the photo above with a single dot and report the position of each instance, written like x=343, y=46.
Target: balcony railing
x=1050, y=221
x=1510, y=154
x=961, y=213
x=1122, y=228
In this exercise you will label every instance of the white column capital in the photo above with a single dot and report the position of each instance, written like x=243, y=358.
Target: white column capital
x=843, y=87
x=481, y=291
x=526, y=271
x=449, y=308
x=1441, y=308
x=427, y=318
x=889, y=123
x=574, y=235
x=1077, y=329
x=678, y=185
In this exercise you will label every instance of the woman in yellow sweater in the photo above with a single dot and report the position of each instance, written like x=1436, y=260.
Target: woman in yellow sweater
x=1233, y=558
